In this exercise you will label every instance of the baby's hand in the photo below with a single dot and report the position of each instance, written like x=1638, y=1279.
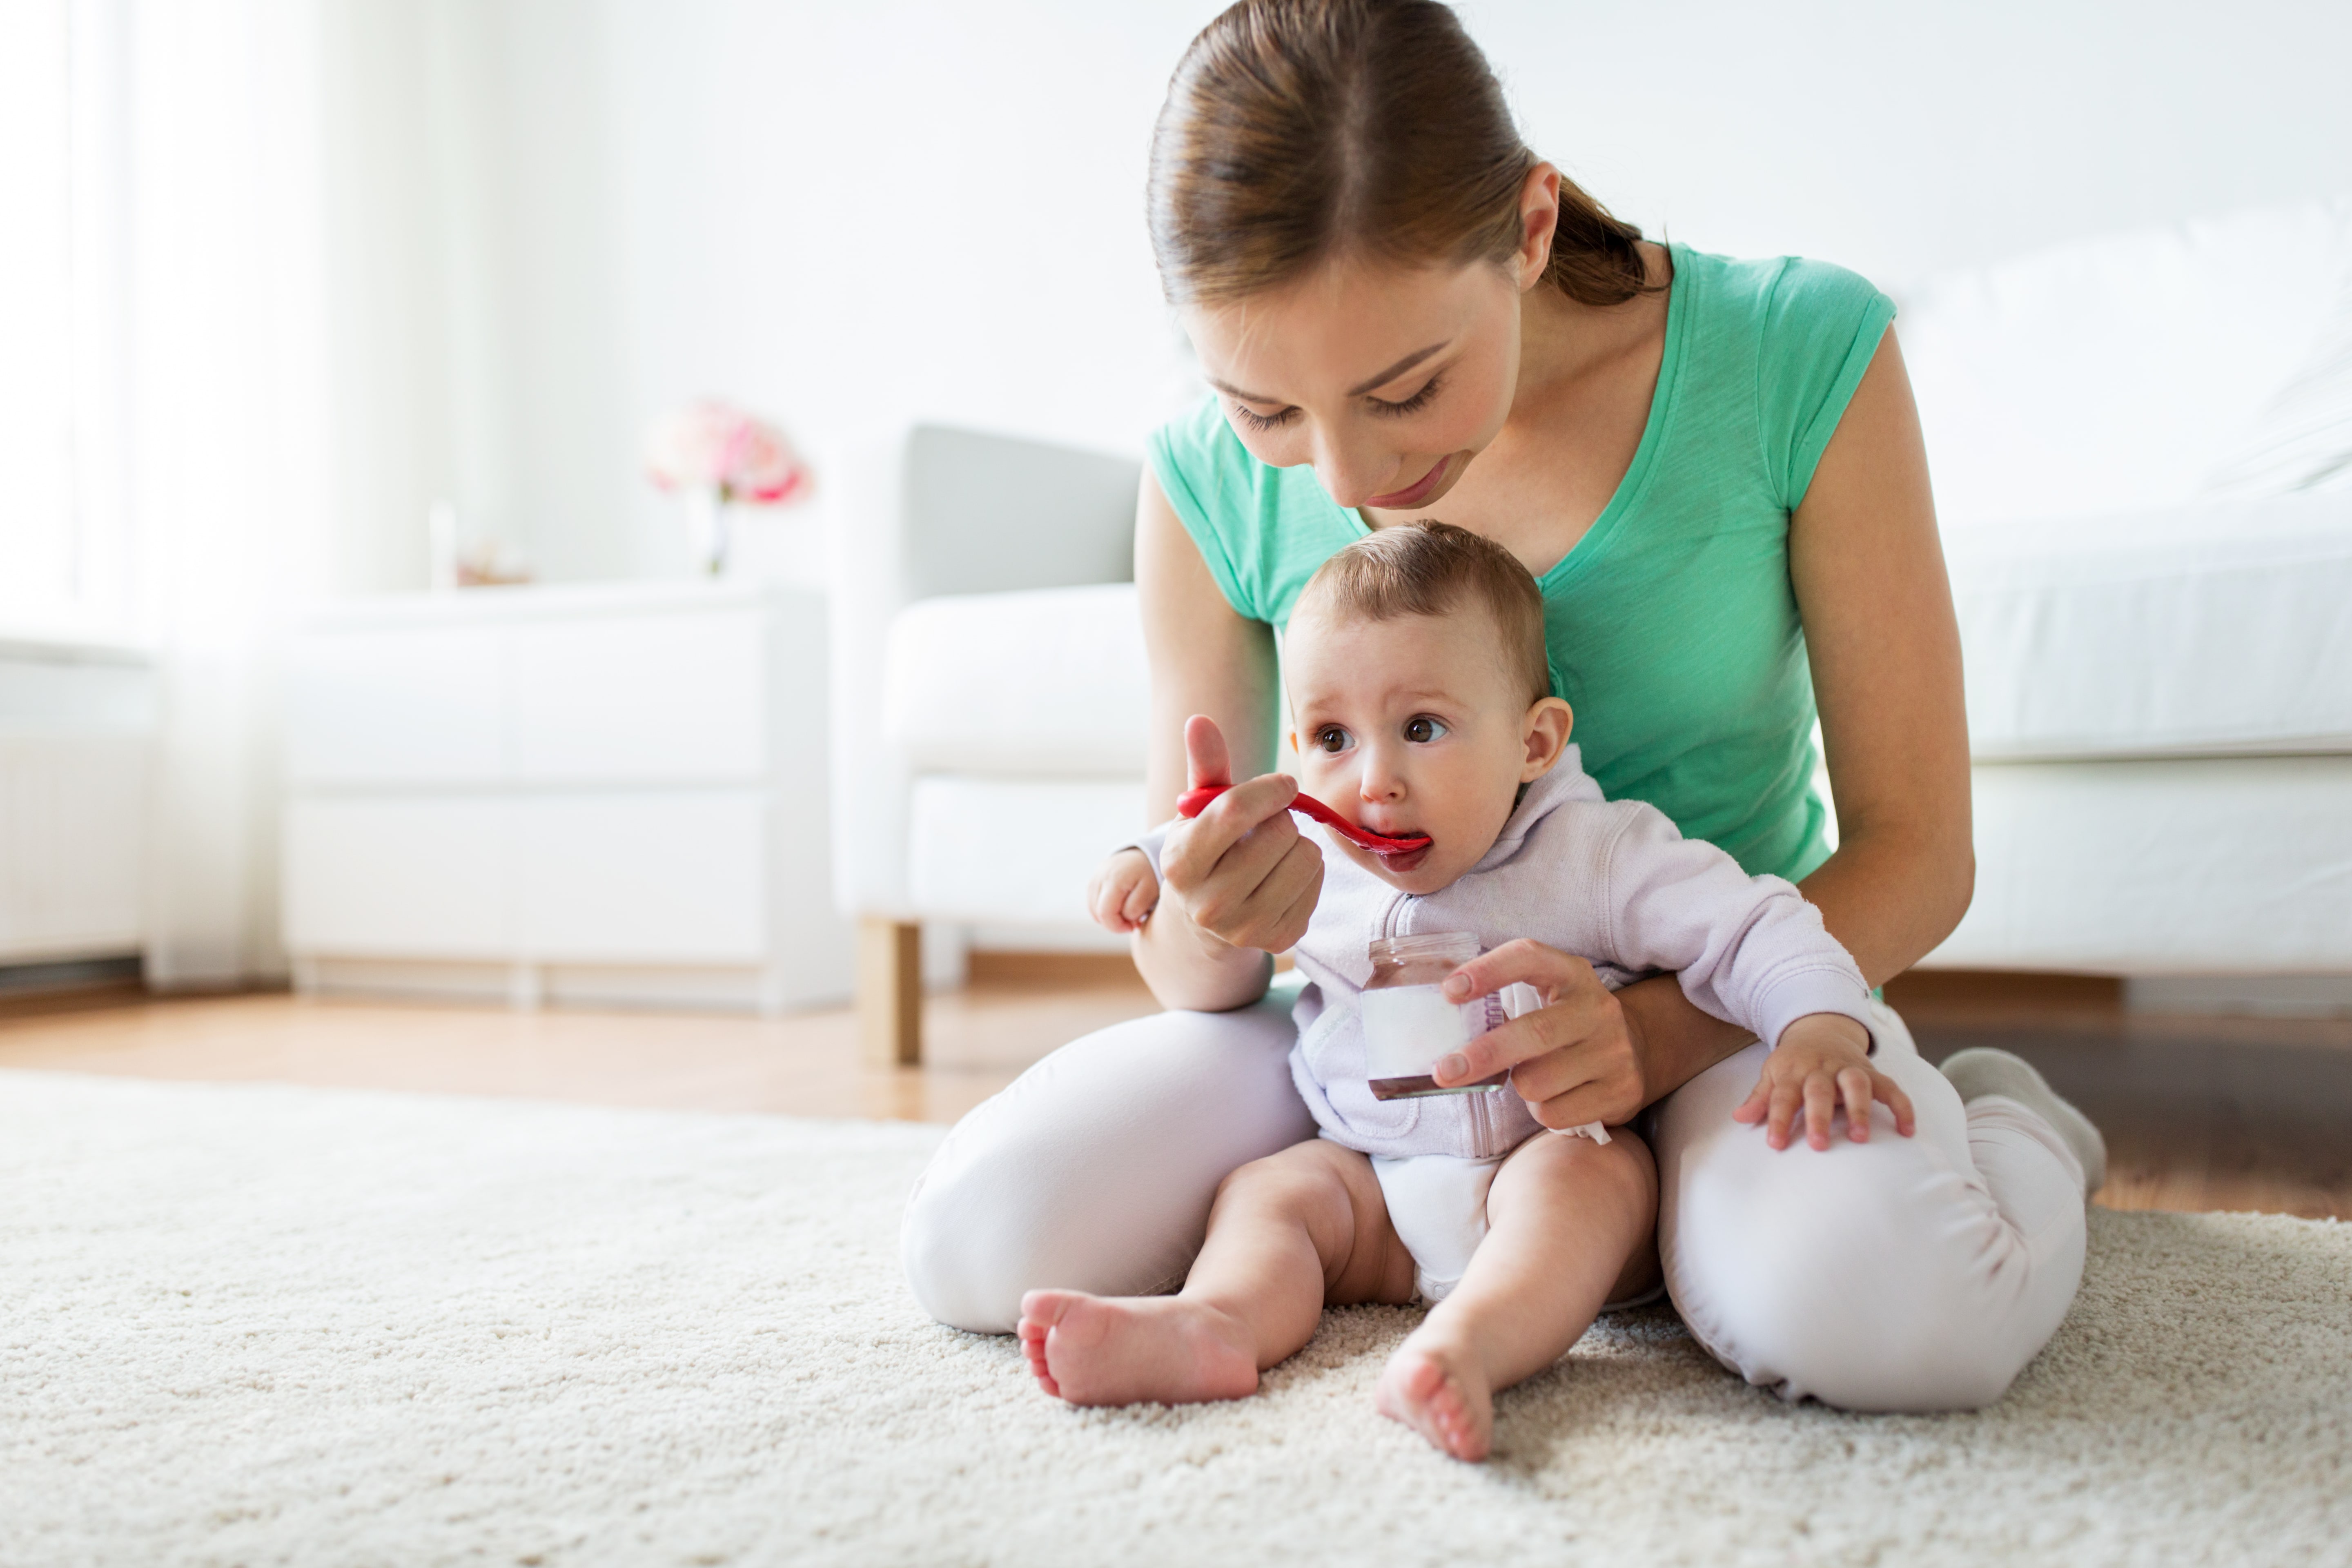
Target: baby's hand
x=1124, y=892
x=1821, y=1059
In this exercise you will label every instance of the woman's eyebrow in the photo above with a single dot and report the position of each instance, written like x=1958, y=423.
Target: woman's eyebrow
x=1229, y=390
x=1395, y=370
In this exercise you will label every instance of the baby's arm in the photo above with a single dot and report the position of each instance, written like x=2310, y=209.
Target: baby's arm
x=1751, y=949
x=1124, y=891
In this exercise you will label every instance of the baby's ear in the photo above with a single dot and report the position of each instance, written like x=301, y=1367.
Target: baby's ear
x=1546, y=731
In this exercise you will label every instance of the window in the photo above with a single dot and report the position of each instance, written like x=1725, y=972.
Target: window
x=59, y=545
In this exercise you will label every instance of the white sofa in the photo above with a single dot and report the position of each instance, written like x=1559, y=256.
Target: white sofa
x=2159, y=676
x=2158, y=643
x=987, y=692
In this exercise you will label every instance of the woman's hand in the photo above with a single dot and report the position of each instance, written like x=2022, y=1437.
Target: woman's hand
x=1575, y=1060
x=1241, y=872
x=1823, y=1059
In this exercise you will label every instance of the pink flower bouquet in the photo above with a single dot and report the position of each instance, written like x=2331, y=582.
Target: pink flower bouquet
x=717, y=448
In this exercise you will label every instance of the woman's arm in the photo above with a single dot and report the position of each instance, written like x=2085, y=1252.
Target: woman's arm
x=1885, y=649
x=1241, y=866
x=1205, y=657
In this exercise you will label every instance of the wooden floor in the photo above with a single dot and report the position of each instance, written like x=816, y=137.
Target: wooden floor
x=2199, y=1114
x=977, y=1040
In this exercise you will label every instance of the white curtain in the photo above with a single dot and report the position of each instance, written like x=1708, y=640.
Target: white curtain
x=298, y=298
x=228, y=434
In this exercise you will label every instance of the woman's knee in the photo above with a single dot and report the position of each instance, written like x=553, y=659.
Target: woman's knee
x=1093, y=1170
x=975, y=1226
x=1856, y=1275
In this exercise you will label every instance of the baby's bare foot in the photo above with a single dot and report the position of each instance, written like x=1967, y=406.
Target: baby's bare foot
x=1440, y=1391
x=1125, y=1349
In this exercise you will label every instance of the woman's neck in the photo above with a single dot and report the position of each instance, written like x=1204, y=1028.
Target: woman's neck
x=1563, y=344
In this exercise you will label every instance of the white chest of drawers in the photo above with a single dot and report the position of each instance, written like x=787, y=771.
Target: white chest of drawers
x=595, y=794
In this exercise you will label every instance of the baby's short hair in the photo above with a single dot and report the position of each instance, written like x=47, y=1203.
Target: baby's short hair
x=1430, y=568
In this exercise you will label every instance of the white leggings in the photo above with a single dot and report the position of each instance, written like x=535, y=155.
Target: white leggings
x=1901, y=1274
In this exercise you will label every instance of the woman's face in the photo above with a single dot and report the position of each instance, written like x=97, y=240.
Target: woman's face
x=1388, y=380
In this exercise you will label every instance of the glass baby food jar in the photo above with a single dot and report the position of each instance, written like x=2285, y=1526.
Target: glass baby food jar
x=1408, y=1020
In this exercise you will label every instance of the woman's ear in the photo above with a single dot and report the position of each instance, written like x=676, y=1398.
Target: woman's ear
x=1546, y=730
x=1538, y=219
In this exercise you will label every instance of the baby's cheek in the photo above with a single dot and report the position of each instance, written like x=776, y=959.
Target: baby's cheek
x=1471, y=808
x=1327, y=779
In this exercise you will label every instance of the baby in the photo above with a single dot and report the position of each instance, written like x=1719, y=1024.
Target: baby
x=1415, y=665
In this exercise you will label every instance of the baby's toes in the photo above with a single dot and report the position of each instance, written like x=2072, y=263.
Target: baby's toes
x=1033, y=1350
x=1449, y=1413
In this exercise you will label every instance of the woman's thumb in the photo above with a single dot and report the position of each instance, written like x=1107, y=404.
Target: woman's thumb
x=1206, y=762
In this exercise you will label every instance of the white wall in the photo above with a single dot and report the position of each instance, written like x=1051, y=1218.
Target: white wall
x=476, y=322
x=841, y=214
x=1898, y=139
x=846, y=214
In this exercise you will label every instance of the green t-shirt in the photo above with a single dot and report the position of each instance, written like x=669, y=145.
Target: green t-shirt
x=1671, y=626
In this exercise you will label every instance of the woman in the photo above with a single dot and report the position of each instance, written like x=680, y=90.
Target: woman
x=1714, y=471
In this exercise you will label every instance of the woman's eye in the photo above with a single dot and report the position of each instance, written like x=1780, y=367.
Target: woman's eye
x=1414, y=404
x=1257, y=421
x=1422, y=730
x=1331, y=738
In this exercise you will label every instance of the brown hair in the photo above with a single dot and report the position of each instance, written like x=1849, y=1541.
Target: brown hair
x=1295, y=129
x=1430, y=568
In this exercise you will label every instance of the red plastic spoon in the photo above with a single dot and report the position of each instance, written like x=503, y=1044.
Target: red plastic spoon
x=1193, y=802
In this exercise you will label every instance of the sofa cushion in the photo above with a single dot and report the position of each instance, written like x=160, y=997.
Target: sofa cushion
x=1014, y=851
x=2194, y=866
x=1047, y=683
x=2216, y=628
x=2302, y=439
x=2115, y=374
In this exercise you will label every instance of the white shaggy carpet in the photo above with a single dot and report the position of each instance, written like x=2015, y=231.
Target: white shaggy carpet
x=259, y=1325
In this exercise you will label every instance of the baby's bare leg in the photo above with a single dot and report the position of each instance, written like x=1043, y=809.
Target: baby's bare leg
x=1568, y=1223
x=1288, y=1232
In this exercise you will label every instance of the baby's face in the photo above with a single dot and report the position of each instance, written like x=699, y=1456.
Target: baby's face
x=1412, y=726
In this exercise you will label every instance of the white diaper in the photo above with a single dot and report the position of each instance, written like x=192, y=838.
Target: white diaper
x=1438, y=1205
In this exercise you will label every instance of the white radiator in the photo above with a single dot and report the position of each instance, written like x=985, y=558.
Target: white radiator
x=77, y=725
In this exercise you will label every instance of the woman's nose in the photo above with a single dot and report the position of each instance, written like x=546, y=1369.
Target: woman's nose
x=1352, y=471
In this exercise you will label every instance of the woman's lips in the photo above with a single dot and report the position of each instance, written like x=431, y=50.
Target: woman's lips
x=1417, y=493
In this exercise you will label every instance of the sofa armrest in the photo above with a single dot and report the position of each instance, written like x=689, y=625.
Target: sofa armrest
x=923, y=511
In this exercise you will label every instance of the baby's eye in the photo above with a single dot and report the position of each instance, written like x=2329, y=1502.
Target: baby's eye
x=1422, y=728
x=1332, y=739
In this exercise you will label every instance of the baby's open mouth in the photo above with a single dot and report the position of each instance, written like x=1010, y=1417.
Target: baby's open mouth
x=1408, y=850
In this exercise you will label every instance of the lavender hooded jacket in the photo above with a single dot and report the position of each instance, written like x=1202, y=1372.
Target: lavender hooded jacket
x=1613, y=882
